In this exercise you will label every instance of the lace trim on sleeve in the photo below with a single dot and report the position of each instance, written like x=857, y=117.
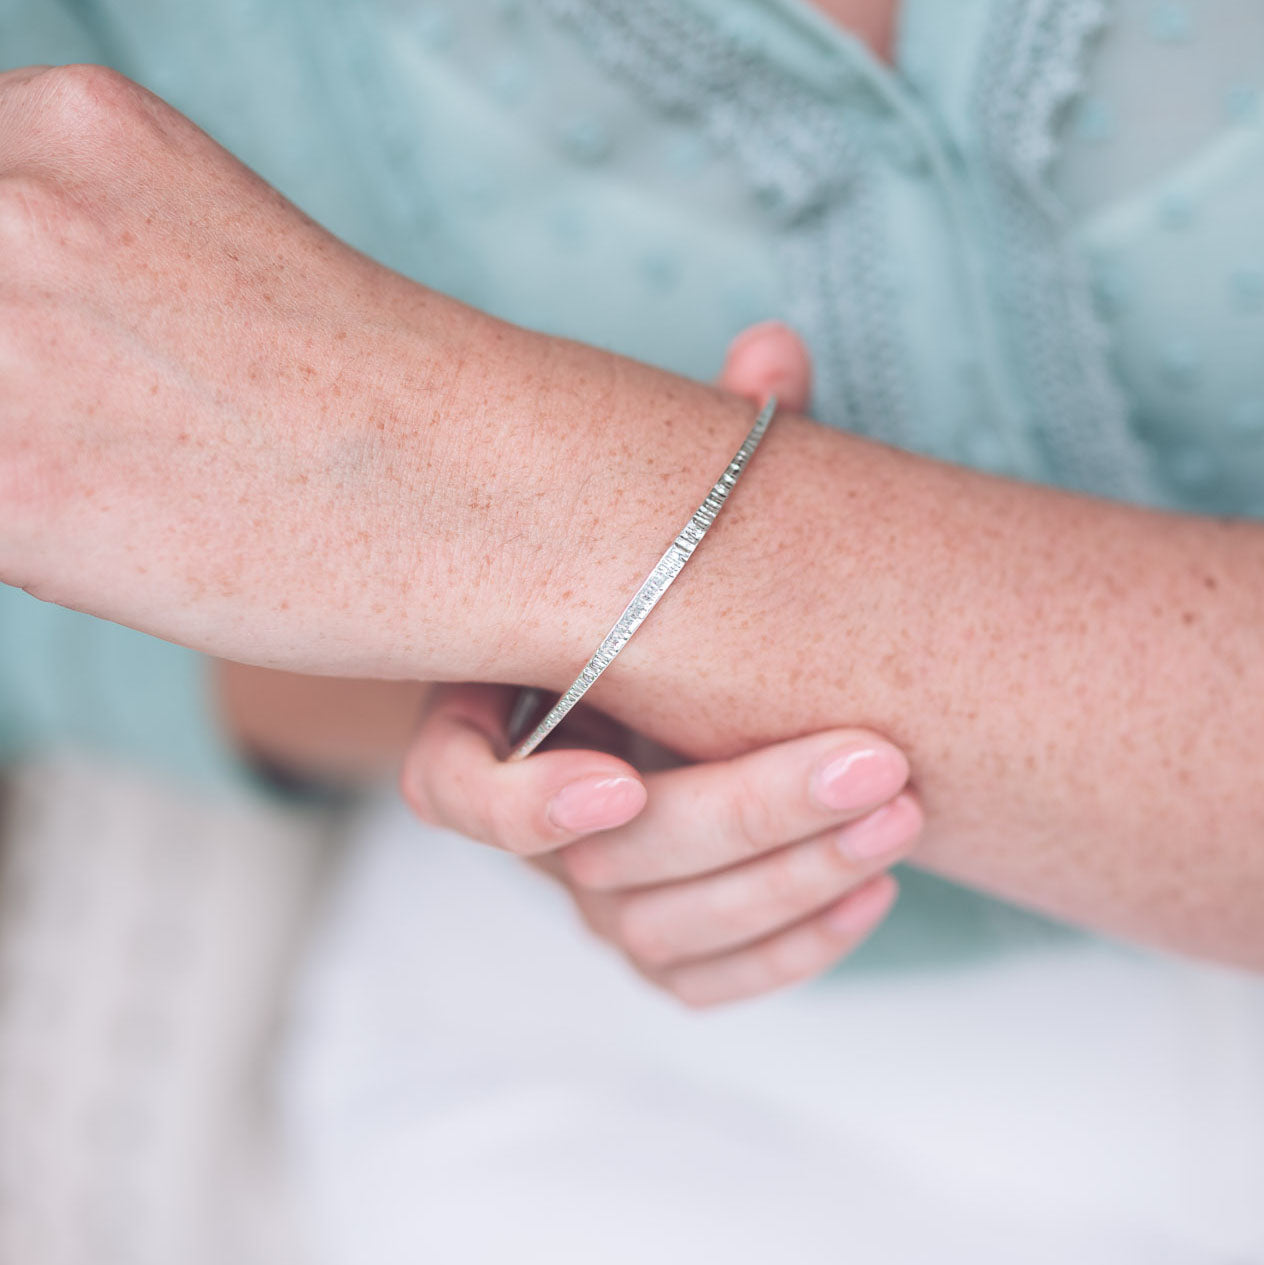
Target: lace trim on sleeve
x=1033, y=65
x=808, y=166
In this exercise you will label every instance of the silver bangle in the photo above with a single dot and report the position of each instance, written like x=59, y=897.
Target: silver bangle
x=646, y=598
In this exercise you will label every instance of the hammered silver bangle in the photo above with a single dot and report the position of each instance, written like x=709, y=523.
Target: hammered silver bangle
x=646, y=598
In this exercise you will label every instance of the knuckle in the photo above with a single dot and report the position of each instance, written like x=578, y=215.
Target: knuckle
x=750, y=819
x=33, y=211
x=83, y=95
x=98, y=120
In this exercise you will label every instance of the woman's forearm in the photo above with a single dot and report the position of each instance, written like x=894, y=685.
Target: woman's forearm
x=1077, y=683
x=220, y=425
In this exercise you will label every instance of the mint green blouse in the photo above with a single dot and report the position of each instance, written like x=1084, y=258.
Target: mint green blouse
x=1035, y=245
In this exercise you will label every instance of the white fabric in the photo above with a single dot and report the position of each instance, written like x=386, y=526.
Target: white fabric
x=474, y=1080
x=1165, y=80
x=146, y=943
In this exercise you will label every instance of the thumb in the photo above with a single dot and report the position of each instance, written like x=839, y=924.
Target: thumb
x=769, y=359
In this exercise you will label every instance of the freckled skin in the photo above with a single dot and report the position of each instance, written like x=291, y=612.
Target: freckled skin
x=1077, y=684
x=1077, y=744
x=175, y=341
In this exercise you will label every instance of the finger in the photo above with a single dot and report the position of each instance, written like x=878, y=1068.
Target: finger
x=706, y=817
x=790, y=956
x=455, y=776
x=769, y=359
x=703, y=917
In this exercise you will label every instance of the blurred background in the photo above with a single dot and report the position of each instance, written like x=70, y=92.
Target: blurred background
x=228, y=1036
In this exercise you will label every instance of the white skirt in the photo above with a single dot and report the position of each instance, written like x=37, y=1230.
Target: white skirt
x=471, y=1078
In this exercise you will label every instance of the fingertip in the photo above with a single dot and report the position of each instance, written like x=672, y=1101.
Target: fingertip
x=770, y=359
x=594, y=799
x=760, y=332
x=855, y=771
x=860, y=911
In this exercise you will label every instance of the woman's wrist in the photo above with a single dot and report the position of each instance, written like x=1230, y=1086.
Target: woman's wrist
x=253, y=440
x=1075, y=682
x=596, y=464
x=631, y=451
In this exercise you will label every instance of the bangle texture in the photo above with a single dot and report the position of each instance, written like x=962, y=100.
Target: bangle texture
x=644, y=600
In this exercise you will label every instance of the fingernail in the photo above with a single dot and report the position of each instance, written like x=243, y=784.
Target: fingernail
x=883, y=833
x=596, y=803
x=859, y=777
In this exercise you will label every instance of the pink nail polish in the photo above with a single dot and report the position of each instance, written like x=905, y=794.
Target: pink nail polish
x=857, y=778
x=883, y=833
x=596, y=803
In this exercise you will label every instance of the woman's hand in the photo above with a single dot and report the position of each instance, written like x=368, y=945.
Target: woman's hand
x=718, y=881
x=220, y=424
